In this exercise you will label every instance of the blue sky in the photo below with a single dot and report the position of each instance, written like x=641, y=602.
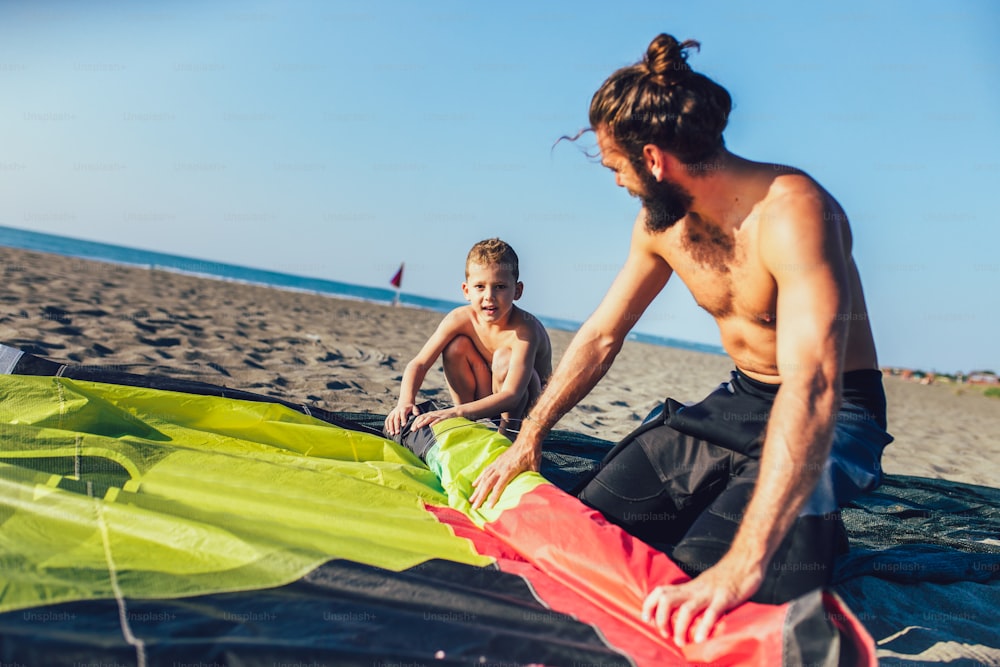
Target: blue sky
x=337, y=139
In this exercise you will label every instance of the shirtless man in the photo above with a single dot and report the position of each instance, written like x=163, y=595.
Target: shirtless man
x=496, y=356
x=800, y=427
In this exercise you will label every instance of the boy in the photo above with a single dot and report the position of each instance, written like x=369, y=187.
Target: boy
x=496, y=356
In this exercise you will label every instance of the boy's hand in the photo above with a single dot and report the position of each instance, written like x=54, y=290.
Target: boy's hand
x=433, y=417
x=397, y=419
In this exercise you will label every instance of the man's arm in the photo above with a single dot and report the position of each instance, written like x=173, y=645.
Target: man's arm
x=803, y=252
x=585, y=362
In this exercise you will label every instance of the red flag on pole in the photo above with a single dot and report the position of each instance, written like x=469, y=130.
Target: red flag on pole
x=397, y=280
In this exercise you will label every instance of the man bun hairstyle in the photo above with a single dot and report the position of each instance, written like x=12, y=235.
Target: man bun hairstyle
x=493, y=252
x=660, y=100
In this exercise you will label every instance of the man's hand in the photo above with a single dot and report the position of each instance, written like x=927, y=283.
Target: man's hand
x=397, y=419
x=715, y=591
x=494, y=479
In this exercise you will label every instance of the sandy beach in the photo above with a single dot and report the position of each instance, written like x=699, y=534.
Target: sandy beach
x=346, y=355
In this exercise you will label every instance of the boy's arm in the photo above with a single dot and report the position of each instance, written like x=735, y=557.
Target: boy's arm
x=416, y=370
x=515, y=385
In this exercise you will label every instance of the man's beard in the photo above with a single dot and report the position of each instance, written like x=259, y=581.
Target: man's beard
x=665, y=202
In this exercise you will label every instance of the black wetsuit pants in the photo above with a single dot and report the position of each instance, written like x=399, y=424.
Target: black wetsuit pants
x=682, y=480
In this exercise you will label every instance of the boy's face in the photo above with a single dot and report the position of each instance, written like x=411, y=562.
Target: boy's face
x=491, y=290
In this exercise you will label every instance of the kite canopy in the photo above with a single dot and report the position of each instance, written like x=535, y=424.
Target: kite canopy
x=153, y=521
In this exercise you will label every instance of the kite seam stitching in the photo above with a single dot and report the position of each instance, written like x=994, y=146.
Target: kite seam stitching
x=130, y=638
x=77, y=441
x=62, y=403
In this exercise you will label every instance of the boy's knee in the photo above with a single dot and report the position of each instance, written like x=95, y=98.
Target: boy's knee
x=459, y=347
x=466, y=369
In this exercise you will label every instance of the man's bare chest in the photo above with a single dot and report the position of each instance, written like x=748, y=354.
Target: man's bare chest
x=724, y=276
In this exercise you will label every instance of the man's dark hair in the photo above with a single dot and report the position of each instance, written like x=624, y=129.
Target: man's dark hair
x=660, y=100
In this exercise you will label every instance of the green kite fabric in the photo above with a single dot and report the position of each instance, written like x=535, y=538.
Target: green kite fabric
x=162, y=494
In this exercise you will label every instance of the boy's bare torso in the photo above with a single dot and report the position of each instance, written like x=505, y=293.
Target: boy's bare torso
x=724, y=272
x=522, y=330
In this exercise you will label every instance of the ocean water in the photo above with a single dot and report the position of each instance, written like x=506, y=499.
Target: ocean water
x=106, y=252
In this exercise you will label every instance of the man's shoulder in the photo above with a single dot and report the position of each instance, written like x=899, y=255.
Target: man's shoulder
x=796, y=198
x=790, y=183
x=797, y=217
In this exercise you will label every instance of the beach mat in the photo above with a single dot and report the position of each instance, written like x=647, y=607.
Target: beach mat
x=922, y=576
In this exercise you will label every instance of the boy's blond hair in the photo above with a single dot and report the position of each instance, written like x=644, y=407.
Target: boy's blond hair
x=493, y=252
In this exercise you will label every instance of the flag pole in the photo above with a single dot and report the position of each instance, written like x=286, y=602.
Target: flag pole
x=397, y=282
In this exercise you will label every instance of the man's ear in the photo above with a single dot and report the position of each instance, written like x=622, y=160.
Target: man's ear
x=518, y=290
x=655, y=159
